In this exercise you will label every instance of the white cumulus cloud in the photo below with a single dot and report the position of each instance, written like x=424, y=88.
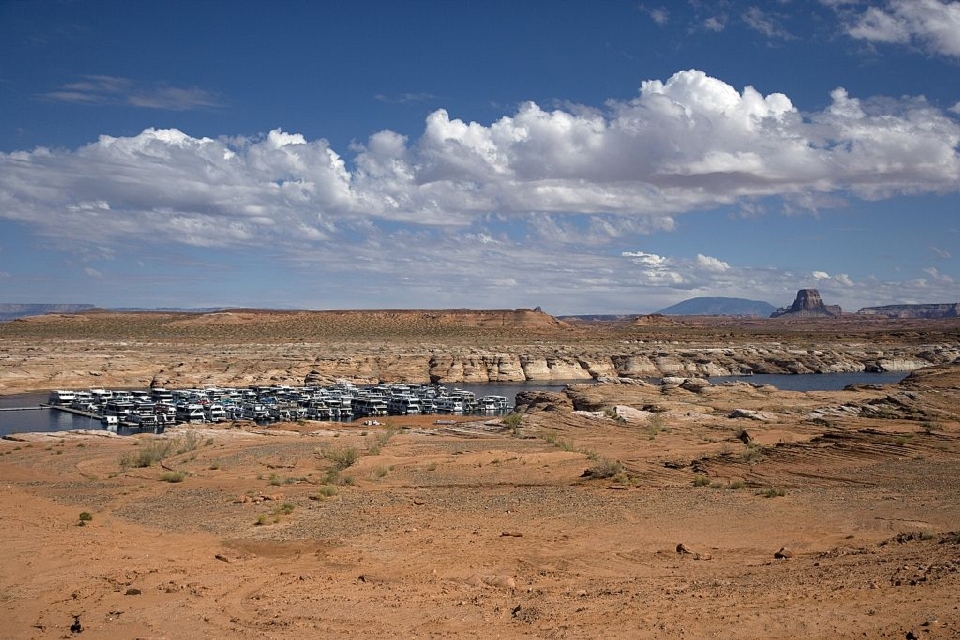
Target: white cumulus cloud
x=691, y=142
x=711, y=264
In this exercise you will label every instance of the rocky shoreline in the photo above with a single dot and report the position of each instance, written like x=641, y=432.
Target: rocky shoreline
x=31, y=368
x=184, y=350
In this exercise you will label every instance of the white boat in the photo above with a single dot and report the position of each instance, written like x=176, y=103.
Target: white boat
x=448, y=404
x=254, y=411
x=215, y=412
x=190, y=413
x=110, y=422
x=370, y=406
x=468, y=398
x=62, y=397
x=403, y=405
x=492, y=404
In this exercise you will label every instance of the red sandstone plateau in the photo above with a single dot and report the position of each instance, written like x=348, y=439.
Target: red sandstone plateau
x=680, y=509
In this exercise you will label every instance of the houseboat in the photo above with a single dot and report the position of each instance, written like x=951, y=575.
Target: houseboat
x=62, y=397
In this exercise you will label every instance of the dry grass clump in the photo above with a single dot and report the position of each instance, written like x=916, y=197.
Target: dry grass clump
x=148, y=455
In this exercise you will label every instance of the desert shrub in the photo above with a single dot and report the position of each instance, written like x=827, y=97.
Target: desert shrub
x=274, y=480
x=654, y=425
x=327, y=491
x=555, y=439
x=215, y=465
x=775, y=492
x=342, y=457
x=384, y=436
x=700, y=480
x=262, y=519
x=188, y=442
x=85, y=517
x=753, y=453
x=737, y=484
x=513, y=421
x=152, y=453
x=173, y=476
x=605, y=468
x=380, y=472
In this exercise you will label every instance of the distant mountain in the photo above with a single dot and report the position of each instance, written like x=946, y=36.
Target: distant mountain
x=719, y=306
x=12, y=311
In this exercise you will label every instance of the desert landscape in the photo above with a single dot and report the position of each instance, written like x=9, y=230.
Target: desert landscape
x=617, y=508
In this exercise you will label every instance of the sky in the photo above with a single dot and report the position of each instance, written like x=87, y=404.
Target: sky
x=583, y=157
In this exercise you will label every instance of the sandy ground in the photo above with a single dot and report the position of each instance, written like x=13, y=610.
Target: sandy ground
x=566, y=525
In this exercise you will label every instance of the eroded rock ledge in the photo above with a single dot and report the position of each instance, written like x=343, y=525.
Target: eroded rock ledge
x=139, y=365
x=250, y=347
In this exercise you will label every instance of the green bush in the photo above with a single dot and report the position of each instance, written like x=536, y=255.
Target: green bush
x=342, y=457
x=700, y=480
x=327, y=491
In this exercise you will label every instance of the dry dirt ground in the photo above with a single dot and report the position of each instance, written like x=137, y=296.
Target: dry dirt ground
x=568, y=524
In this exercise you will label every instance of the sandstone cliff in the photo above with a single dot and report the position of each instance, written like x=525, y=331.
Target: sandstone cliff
x=913, y=311
x=247, y=347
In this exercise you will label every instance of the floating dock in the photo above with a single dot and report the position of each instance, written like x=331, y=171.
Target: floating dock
x=22, y=408
x=76, y=412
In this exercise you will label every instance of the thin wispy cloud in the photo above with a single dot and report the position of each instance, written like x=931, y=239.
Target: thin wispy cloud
x=766, y=23
x=714, y=23
x=100, y=89
x=931, y=25
x=405, y=98
x=659, y=15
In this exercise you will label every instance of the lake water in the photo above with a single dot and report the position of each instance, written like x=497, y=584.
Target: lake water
x=49, y=420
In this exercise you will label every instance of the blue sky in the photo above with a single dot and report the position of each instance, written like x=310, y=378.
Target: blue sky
x=584, y=157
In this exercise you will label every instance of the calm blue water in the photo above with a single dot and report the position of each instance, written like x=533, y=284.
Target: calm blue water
x=816, y=381
x=48, y=420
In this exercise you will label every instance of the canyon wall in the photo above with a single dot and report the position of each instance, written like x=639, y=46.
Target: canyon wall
x=140, y=365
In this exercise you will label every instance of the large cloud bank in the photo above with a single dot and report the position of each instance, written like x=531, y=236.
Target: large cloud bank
x=692, y=142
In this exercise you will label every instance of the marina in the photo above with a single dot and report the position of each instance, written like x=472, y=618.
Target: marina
x=153, y=410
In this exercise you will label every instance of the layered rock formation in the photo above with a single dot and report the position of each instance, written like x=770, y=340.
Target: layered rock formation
x=243, y=348
x=807, y=304
x=909, y=311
